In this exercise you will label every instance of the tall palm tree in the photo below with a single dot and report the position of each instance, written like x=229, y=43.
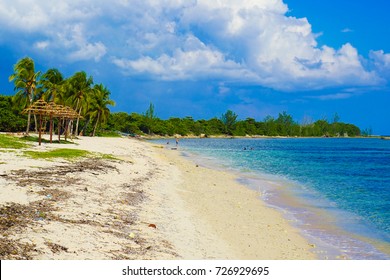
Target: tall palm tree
x=25, y=80
x=79, y=86
x=52, y=85
x=52, y=91
x=98, y=109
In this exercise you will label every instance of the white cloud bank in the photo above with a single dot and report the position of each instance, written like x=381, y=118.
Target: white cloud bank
x=251, y=41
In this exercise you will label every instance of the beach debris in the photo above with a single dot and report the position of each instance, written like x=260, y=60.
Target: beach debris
x=132, y=235
x=152, y=226
x=55, y=248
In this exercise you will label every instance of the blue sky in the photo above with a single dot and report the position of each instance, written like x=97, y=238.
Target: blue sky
x=311, y=59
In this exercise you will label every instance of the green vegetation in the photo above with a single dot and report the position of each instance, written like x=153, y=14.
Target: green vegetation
x=36, y=139
x=68, y=154
x=228, y=124
x=10, y=142
x=78, y=92
x=10, y=118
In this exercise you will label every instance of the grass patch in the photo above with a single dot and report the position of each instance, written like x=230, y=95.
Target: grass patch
x=36, y=139
x=68, y=154
x=11, y=142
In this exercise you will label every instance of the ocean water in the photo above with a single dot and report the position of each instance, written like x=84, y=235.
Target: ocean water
x=336, y=191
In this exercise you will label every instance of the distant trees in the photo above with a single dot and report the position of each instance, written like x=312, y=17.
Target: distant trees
x=149, y=118
x=228, y=124
x=229, y=120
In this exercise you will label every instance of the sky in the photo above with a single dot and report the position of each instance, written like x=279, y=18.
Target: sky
x=199, y=58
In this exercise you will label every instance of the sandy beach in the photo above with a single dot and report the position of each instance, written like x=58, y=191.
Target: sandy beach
x=142, y=202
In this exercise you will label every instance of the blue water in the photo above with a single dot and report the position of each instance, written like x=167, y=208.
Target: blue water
x=338, y=190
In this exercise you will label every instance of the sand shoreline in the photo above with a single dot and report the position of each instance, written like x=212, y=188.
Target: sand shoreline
x=150, y=204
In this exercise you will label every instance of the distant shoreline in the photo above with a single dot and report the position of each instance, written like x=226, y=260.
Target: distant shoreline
x=156, y=137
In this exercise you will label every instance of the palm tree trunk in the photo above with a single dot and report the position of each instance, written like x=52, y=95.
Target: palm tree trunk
x=36, y=123
x=96, y=124
x=28, y=122
x=66, y=129
x=82, y=132
x=77, y=123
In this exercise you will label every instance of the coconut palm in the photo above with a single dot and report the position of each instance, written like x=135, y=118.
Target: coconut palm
x=98, y=110
x=25, y=80
x=79, y=86
x=52, y=91
x=52, y=85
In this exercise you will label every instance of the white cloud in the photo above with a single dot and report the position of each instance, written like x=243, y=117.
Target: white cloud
x=42, y=45
x=253, y=40
x=250, y=41
x=88, y=51
x=335, y=96
x=346, y=30
x=381, y=62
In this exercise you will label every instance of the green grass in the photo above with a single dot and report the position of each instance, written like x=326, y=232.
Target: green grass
x=68, y=154
x=36, y=139
x=11, y=142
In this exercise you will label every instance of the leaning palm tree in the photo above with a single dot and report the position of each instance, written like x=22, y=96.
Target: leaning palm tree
x=98, y=109
x=25, y=80
x=79, y=86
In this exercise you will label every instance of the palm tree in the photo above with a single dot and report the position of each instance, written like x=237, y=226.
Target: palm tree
x=98, y=109
x=79, y=86
x=25, y=80
x=52, y=90
x=52, y=85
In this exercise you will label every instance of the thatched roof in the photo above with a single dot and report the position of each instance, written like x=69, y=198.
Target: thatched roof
x=43, y=108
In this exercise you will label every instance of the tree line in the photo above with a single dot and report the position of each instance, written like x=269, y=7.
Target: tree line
x=227, y=124
x=78, y=92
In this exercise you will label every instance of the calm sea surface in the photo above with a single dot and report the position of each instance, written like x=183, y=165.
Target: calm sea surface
x=337, y=191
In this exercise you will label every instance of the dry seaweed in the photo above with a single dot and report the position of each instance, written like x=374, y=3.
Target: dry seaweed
x=58, y=175
x=16, y=250
x=56, y=248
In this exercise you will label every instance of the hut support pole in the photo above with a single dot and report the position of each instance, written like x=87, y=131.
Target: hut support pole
x=59, y=130
x=40, y=129
x=51, y=129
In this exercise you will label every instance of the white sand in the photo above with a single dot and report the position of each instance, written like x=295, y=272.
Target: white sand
x=198, y=213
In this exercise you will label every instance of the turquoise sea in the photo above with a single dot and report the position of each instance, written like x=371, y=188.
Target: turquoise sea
x=335, y=190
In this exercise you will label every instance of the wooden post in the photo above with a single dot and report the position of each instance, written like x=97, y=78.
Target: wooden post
x=40, y=129
x=51, y=128
x=59, y=130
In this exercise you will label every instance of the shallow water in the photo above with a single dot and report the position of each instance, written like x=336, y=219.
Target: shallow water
x=337, y=191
